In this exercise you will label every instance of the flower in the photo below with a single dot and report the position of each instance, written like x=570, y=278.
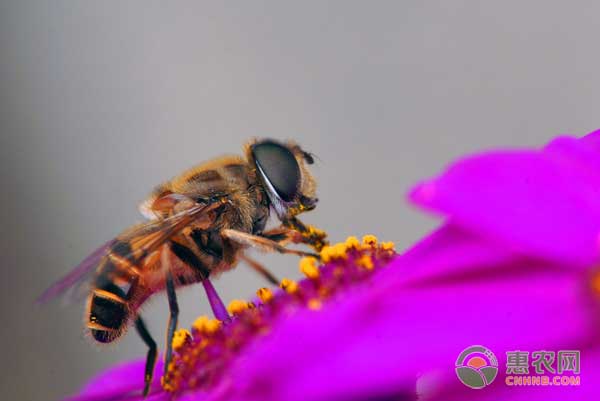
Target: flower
x=513, y=267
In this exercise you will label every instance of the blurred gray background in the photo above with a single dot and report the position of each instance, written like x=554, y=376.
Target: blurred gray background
x=100, y=101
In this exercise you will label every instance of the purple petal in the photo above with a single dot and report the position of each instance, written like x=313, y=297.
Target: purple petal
x=216, y=304
x=541, y=203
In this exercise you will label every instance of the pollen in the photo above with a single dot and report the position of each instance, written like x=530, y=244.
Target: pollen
x=388, y=246
x=166, y=384
x=333, y=252
x=352, y=242
x=366, y=262
x=369, y=240
x=206, y=325
x=180, y=338
x=290, y=286
x=326, y=253
x=237, y=306
x=202, y=358
x=308, y=267
x=264, y=294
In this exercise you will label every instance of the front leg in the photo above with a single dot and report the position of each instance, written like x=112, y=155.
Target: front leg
x=262, y=243
x=310, y=235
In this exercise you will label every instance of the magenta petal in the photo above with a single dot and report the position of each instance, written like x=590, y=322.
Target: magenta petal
x=448, y=253
x=592, y=140
x=377, y=346
x=573, y=153
x=541, y=203
x=123, y=382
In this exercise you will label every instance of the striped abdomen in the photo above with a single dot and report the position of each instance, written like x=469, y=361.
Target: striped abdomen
x=108, y=314
x=117, y=293
x=109, y=303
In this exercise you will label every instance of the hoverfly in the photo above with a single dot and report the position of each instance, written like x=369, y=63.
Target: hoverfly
x=200, y=224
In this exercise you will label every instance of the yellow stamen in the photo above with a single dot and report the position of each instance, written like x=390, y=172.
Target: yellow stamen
x=213, y=325
x=308, y=267
x=326, y=253
x=365, y=261
x=369, y=240
x=352, y=242
x=237, y=306
x=180, y=338
x=205, y=325
x=200, y=323
x=166, y=384
x=332, y=252
x=388, y=246
x=264, y=294
x=289, y=286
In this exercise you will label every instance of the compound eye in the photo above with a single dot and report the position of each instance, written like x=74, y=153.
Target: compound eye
x=279, y=168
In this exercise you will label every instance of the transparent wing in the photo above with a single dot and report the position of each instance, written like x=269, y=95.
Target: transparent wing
x=134, y=244
x=78, y=275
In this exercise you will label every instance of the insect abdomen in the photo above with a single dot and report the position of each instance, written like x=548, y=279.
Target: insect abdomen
x=108, y=313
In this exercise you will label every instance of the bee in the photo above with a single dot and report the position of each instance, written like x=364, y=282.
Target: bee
x=199, y=224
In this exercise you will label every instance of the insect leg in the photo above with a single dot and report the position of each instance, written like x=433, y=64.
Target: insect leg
x=311, y=235
x=261, y=243
x=283, y=235
x=260, y=269
x=173, y=315
x=151, y=356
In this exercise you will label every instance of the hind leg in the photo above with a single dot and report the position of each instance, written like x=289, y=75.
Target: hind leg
x=150, y=357
x=173, y=317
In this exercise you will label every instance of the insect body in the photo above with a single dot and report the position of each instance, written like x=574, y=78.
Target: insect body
x=200, y=224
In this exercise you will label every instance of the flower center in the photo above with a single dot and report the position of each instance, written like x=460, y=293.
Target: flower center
x=202, y=355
